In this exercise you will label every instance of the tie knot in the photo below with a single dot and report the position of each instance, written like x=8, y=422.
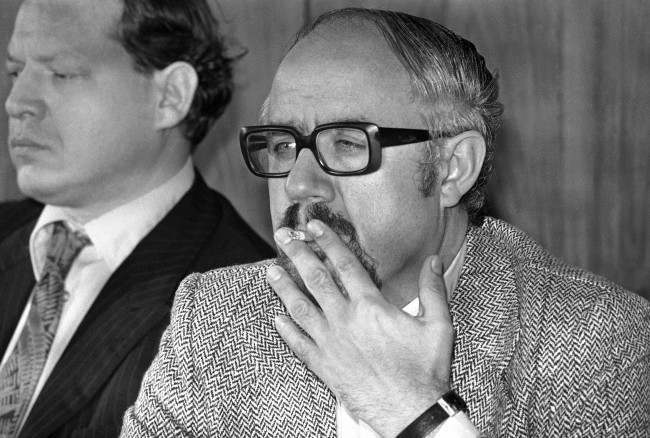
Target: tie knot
x=64, y=246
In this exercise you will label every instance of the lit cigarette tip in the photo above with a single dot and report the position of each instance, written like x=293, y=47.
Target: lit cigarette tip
x=300, y=235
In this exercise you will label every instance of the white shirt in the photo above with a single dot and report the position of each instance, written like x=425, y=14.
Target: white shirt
x=457, y=426
x=113, y=236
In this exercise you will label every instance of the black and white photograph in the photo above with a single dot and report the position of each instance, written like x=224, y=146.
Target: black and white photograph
x=325, y=218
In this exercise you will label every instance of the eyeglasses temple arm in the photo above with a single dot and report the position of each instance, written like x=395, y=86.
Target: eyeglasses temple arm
x=397, y=136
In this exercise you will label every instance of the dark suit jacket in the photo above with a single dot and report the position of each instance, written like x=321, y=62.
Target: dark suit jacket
x=99, y=374
x=542, y=350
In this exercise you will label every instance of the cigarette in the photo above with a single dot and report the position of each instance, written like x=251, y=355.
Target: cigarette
x=300, y=235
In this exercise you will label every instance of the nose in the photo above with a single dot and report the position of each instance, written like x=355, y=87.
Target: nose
x=24, y=99
x=307, y=182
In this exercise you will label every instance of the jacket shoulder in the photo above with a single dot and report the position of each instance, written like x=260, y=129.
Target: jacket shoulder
x=197, y=356
x=225, y=295
x=221, y=359
x=569, y=294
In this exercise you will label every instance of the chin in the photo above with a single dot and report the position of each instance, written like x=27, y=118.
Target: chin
x=36, y=184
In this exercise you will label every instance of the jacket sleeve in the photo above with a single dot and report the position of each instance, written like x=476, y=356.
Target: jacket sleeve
x=170, y=401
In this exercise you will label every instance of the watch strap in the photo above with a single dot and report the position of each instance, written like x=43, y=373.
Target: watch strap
x=447, y=406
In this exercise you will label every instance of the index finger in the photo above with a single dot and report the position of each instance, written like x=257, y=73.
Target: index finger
x=348, y=269
x=313, y=272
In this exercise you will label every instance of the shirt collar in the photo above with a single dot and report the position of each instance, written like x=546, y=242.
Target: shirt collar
x=450, y=278
x=112, y=236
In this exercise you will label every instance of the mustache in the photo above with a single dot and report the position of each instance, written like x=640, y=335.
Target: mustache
x=340, y=226
x=322, y=212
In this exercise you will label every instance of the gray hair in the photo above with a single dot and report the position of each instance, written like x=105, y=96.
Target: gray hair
x=448, y=76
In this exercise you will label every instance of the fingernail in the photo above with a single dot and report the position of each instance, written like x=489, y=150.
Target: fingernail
x=436, y=265
x=282, y=236
x=273, y=273
x=315, y=227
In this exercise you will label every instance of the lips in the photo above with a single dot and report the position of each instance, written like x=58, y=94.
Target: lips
x=25, y=143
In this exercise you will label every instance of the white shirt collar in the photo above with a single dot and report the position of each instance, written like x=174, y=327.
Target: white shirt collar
x=116, y=233
x=450, y=277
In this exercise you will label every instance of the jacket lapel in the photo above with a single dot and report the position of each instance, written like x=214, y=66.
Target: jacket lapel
x=136, y=298
x=484, y=310
x=16, y=281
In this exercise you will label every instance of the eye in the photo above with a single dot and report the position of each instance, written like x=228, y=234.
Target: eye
x=282, y=147
x=64, y=76
x=344, y=145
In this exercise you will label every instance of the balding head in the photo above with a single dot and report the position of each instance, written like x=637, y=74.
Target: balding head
x=339, y=66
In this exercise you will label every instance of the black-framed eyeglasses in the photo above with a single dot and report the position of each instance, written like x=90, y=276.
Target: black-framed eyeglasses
x=341, y=149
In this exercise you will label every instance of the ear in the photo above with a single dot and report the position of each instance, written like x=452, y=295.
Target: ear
x=462, y=159
x=176, y=85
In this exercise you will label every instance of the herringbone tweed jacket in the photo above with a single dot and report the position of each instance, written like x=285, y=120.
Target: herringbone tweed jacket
x=542, y=349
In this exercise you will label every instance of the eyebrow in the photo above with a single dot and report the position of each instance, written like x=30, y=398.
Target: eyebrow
x=301, y=127
x=293, y=123
x=350, y=120
x=47, y=59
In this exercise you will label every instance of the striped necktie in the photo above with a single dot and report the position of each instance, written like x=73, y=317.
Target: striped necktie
x=22, y=370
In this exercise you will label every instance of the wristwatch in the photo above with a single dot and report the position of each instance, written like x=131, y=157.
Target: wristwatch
x=447, y=406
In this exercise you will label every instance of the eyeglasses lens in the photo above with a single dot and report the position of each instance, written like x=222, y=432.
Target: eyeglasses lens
x=271, y=151
x=343, y=149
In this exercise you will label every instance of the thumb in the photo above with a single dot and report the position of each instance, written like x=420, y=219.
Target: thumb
x=433, y=293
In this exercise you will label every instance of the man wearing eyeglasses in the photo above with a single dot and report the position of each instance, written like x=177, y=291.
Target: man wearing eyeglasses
x=395, y=308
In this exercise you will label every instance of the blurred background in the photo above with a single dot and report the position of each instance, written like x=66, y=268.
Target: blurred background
x=573, y=157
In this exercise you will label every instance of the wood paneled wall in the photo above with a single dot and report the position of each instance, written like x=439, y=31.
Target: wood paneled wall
x=573, y=160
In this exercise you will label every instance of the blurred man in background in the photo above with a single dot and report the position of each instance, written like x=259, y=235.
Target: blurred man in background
x=109, y=98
